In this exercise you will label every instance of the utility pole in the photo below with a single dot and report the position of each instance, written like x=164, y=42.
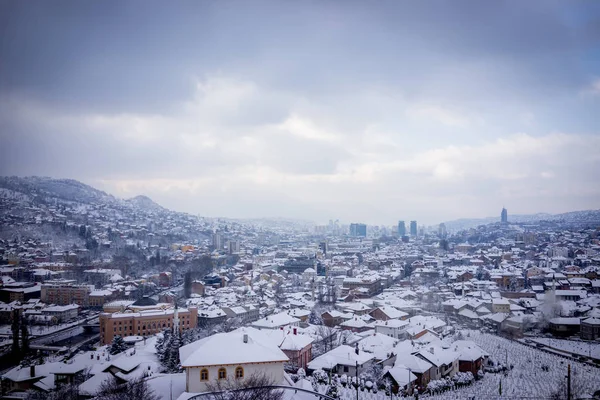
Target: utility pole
x=357, y=380
x=569, y=382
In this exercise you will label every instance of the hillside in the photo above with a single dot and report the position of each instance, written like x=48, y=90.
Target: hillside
x=69, y=214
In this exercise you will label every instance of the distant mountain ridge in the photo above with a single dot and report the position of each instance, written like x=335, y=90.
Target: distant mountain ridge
x=584, y=217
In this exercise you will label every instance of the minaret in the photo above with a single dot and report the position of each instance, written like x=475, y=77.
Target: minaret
x=176, y=319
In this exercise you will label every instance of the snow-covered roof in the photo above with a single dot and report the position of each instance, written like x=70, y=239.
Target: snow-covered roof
x=341, y=355
x=230, y=348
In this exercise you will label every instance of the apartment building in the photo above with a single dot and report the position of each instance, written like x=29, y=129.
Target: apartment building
x=66, y=293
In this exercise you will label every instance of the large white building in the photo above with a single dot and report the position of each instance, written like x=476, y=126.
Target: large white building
x=233, y=355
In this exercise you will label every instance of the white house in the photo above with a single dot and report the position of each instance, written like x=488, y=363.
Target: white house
x=233, y=355
x=276, y=321
x=395, y=328
x=343, y=359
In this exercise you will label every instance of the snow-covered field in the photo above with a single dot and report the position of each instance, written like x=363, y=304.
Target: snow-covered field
x=527, y=380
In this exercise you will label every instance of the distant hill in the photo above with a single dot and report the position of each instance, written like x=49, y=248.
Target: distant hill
x=50, y=191
x=146, y=202
x=40, y=189
x=579, y=218
x=53, y=210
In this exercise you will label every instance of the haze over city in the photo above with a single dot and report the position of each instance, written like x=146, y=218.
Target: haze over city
x=315, y=110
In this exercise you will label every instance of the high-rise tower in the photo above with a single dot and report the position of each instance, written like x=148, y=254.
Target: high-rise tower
x=504, y=216
x=401, y=228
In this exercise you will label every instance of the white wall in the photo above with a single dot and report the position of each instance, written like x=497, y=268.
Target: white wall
x=194, y=385
x=396, y=333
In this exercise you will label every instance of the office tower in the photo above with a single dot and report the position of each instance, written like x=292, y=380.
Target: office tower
x=217, y=240
x=413, y=228
x=358, y=230
x=401, y=228
x=442, y=230
x=504, y=216
x=323, y=246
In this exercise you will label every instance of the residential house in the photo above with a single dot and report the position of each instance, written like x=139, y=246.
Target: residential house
x=395, y=328
x=234, y=355
x=343, y=360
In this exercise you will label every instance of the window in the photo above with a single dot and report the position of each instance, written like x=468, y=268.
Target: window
x=204, y=374
x=345, y=368
x=239, y=372
x=222, y=373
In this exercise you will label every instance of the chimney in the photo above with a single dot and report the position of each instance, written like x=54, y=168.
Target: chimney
x=245, y=338
x=295, y=331
x=32, y=370
x=431, y=350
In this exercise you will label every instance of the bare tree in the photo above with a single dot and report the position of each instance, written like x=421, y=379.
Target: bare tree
x=255, y=387
x=64, y=392
x=136, y=389
x=329, y=338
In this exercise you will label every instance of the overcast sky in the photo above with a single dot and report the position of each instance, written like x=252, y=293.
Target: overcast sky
x=369, y=111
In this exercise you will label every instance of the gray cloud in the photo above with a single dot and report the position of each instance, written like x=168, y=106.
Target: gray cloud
x=427, y=110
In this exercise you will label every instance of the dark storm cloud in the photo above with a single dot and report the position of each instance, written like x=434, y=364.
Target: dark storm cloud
x=306, y=100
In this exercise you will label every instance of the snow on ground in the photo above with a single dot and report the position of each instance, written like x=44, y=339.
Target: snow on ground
x=585, y=349
x=167, y=386
x=527, y=379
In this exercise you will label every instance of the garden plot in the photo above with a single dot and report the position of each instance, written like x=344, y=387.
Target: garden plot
x=535, y=374
x=529, y=377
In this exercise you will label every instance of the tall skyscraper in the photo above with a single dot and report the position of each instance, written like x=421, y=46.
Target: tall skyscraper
x=401, y=228
x=413, y=228
x=217, y=240
x=442, y=232
x=504, y=216
x=358, y=230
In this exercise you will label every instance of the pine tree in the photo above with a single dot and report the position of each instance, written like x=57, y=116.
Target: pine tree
x=172, y=362
x=162, y=344
x=117, y=346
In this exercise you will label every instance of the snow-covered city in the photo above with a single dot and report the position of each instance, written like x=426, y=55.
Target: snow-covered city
x=299, y=200
x=101, y=295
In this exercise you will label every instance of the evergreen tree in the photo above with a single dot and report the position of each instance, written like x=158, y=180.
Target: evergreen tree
x=162, y=344
x=172, y=363
x=315, y=317
x=117, y=346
